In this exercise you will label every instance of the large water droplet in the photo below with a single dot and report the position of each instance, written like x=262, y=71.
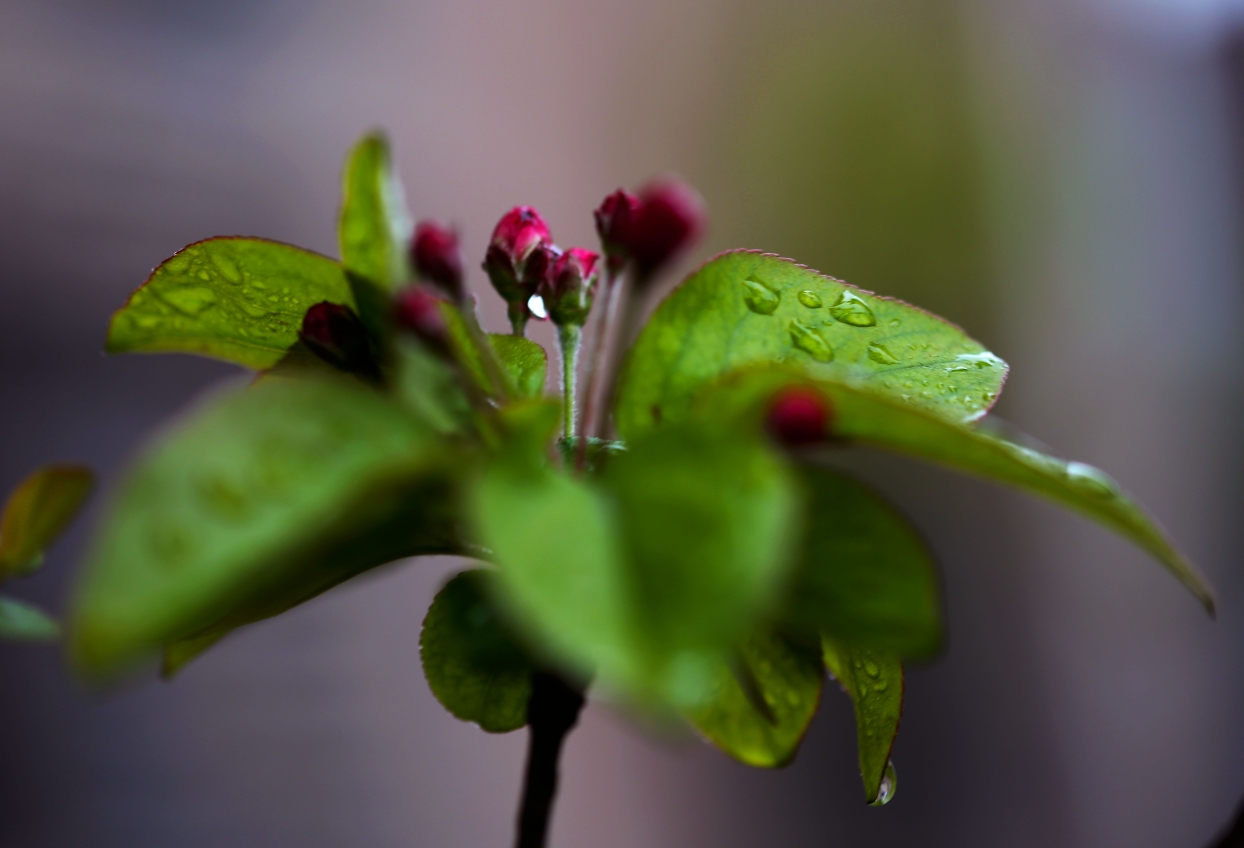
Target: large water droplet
x=871, y=667
x=968, y=361
x=811, y=342
x=227, y=268
x=889, y=783
x=1092, y=479
x=851, y=309
x=190, y=300
x=760, y=298
x=536, y=304
x=880, y=354
x=810, y=299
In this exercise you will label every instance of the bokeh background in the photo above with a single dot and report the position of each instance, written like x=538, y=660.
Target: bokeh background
x=1062, y=177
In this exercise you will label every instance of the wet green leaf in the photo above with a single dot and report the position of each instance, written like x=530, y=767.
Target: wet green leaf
x=21, y=622
x=237, y=299
x=525, y=363
x=37, y=512
x=746, y=308
x=646, y=574
x=863, y=573
x=374, y=228
x=473, y=665
x=761, y=700
x=874, y=680
x=230, y=507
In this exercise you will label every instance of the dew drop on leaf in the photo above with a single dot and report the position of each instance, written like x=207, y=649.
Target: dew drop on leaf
x=760, y=298
x=896, y=322
x=852, y=310
x=810, y=299
x=968, y=361
x=191, y=300
x=1091, y=479
x=889, y=782
x=881, y=355
x=811, y=342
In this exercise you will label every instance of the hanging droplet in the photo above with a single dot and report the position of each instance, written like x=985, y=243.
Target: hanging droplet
x=536, y=304
x=880, y=354
x=810, y=299
x=1092, y=479
x=760, y=298
x=811, y=342
x=889, y=783
x=851, y=309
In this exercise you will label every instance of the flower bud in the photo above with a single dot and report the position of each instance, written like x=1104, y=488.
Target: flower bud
x=671, y=218
x=436, y=258
x=335, y=334
x=615, y=224
x=418, y=310
x=518, y=260
x=569, y=287
x=799, y=416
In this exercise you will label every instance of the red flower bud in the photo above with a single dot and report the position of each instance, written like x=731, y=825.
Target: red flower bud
x=419, y=311
x=671, y=218
x=436, y=258
x=518, y=260
x=615, y=224
x=335, y=334
x=799, y=416
x=569, y=287
x=519, y=232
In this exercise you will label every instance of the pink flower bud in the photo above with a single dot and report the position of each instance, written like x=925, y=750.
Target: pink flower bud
x=671, y=218
x=436, y=258
x=615, y=224
x=418, y=310
x=799, y=416
x=335, y=334
x=519, y=232
x=570, y=286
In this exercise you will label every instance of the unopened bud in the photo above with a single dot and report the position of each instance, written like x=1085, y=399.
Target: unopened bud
x=518, y=259
x=671, y=219
x=338, y=336
x=615, y=224
x=799, y=416
x=418, y=310
x=568, y=289
x=436, y=258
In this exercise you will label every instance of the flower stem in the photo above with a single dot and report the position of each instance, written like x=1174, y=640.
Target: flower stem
x=599, y=363
x=569, y=335
x=517, y=312
x=552, y=710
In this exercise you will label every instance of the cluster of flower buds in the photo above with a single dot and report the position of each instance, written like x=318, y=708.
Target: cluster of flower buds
x=650, y=229
x=798, y=417
x=436, y=259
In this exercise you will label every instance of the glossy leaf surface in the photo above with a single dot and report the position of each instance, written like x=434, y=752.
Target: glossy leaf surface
x=864, y=574
x=874, y=680
x=473, y=665
x=22, y=622
x=646, y=575
x=37, y=512
x=761, y=700
x=745, y=308
x=374, y=228
x=230, y=505
x=237, y=299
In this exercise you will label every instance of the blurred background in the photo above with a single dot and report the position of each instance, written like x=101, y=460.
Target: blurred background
x=1061, y=177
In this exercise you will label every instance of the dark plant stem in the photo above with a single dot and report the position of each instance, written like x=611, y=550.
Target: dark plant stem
x=552, y=711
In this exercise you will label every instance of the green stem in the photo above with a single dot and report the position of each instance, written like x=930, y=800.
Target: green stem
x=518, y=317
x=569, y=335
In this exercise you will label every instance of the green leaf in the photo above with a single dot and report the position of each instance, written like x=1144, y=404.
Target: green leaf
x=471, y=661
x=645, y=575
x=874, y=680
x=864, y=575
x=37, y=512
x=229, y=507
x=374, y=229
x=862, y=417
x=21, y=622
x=237, y=299
x=525, y=362
x=746, y=308
x=761, y=700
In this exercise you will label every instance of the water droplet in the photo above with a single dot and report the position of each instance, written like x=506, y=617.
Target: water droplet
x=810, y=299
x=760, y=298
x=881, y=355
x=968, y=361
x=227, y=268
x=811, y=342
x=881, y=685
x=896, y=322
x=889, y=783
x=536, y=304
x=871, y=667
x=851, y=309
x=1092, y=479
